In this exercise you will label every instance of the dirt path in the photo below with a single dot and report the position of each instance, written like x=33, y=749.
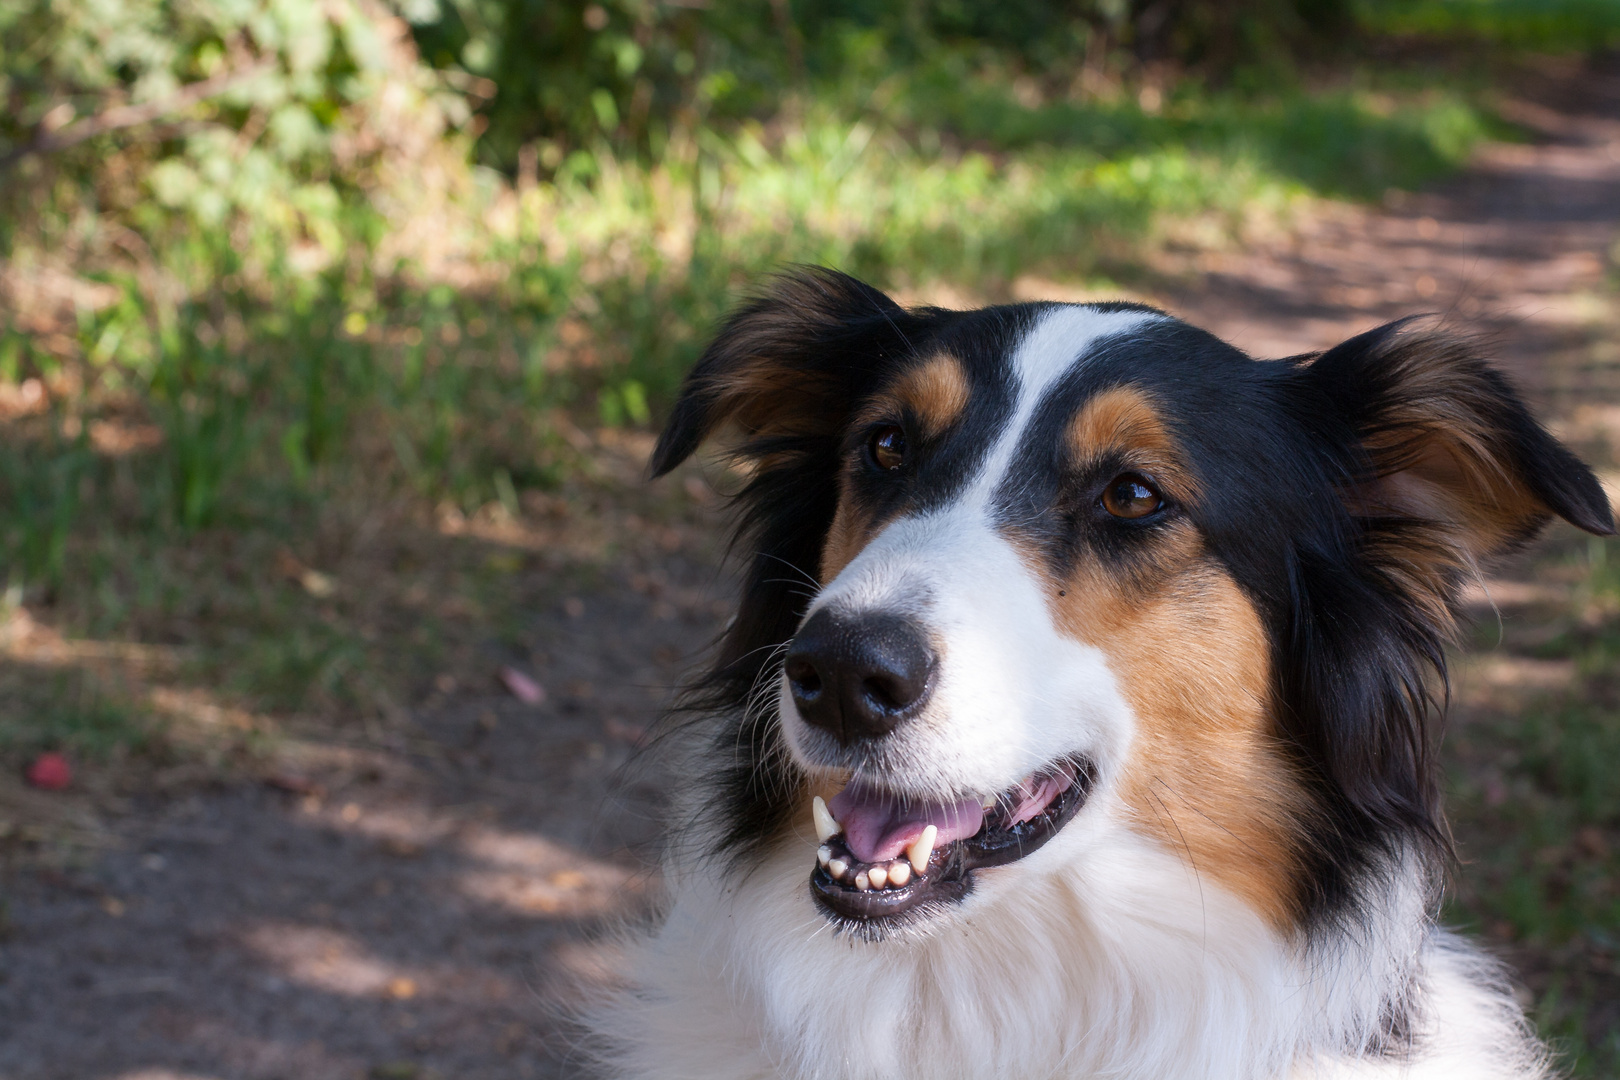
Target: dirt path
x=1517, y=249
x=405, y=907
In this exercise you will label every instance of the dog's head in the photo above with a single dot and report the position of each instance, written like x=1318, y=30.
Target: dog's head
x=1024, y=568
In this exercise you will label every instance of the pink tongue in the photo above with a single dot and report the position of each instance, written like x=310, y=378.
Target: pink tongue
x=878, y=827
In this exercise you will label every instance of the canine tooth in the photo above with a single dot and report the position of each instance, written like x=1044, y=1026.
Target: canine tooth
x=878, y=876
x=921, y=848
x=899, y=872
x=823, y=854
x=836, y=868
x=863, y=881
x=827, y=826
x=988, y=802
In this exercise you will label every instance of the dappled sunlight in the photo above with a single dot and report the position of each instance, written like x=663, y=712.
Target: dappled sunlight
x=525, y=873
x=402, y=827
x=116, y=437
x=1499, y=592
x=133, y=683
x=533, y=875
x=1508, y=681
x=1579, y=310
x=336, y=962
x=25, y=638
x=198, y=708
x=1591, y=421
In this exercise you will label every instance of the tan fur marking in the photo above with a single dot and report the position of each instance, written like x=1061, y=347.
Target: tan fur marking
x=935, y=392
x=1123, y=420
x=849, y=533
x=1204, y=776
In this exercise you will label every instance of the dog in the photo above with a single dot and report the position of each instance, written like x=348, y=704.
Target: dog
x=1078, y=718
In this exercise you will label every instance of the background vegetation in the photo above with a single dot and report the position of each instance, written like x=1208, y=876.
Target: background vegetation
x=272, y=268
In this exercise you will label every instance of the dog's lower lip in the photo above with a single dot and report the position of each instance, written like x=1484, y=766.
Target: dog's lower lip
x=949, y=875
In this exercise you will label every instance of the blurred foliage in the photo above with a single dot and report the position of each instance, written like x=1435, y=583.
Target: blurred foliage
x=1553, y=25
x=629, y=70
x=251, y=250
x=256, y=228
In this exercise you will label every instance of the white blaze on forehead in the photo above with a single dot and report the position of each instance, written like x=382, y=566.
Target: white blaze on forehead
x=1058, y=342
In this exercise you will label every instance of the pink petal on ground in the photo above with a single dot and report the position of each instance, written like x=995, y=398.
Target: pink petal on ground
x=522, y=687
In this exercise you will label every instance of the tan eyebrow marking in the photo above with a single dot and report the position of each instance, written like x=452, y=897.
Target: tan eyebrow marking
x=1124, y=420
x=935, y=391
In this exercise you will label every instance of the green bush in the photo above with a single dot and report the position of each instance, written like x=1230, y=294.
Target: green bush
x=259, y=227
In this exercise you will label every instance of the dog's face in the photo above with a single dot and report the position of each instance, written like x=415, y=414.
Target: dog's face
x=1086, y=569
x=1022, y=610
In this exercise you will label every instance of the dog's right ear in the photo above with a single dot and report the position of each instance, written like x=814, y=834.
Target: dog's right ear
x=788, y=366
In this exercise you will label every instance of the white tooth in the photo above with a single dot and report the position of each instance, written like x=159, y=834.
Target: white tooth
x=827, y=826
x=836, y=868
x=878, y=876
x=863, y=881
x=921, y=848
x=899, y=872
x=989, y=802
x=823, y=854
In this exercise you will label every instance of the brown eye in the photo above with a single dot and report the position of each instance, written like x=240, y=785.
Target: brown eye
x=889, y=447
x=1131, y=496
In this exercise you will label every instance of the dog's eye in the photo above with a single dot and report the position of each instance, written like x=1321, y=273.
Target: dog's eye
x=889, y=447
x=1130, y=496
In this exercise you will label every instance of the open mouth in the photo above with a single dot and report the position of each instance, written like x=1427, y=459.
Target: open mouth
x=883, y=857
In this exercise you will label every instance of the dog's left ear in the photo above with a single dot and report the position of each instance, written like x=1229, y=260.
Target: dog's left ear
x=1439, y=465
x=1446, y=442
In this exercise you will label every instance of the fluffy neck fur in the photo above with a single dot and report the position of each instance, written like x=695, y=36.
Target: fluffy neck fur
x=1113, y=958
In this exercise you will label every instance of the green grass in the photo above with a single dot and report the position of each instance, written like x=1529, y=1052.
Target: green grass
x=1536, y=806
x=65, y=710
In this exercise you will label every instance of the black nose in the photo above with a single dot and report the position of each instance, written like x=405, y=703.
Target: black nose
x=859, y=676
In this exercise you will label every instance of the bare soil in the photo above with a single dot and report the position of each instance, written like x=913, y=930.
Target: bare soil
x=406, y=903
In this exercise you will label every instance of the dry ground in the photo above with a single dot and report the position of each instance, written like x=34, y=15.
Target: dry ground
x=403, y=898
